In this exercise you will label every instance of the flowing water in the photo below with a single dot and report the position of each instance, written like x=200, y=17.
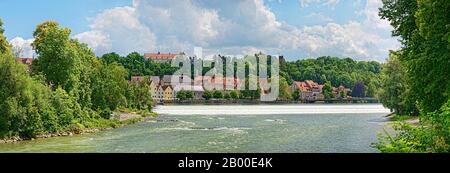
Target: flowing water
x=248, y=128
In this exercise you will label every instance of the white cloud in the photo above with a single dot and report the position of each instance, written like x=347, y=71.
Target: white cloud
x=234, y=27
x=329, y=3
x=22, y=47
x=118, y=30
x=319, y=17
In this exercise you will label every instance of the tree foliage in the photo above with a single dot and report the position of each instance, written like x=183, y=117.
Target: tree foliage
x=424, y=29
x=137, y=65
x=395, y=92
x=285, y=93
x=327, y=90
x=346, y=72
x=69, y=87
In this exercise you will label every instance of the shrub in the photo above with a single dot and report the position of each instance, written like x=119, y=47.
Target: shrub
x=431, y=135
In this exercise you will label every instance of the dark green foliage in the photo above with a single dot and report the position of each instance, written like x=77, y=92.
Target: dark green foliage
x=395, y=91
x=181, y=95
x=227, y=95
x=207, y=95
x=70, y=89
x=327, y=90
x=424, y=29
x=217, y=94
x=359, y=90
x=139, y=96
x=109, y=87
x=4, y=45
x=285, y=93
x=432, y=135
x=296, y=95
x=346, y=72
x=234, y=94
x=185, y=95
x=137, y=65
x=189, y=95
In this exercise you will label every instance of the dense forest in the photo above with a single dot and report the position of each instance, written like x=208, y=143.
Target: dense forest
x=416, y=80
x=67, y=88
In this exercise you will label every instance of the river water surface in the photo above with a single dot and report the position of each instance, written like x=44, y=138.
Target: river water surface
x=247, y=128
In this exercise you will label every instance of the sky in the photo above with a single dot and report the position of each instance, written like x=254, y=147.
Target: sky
x=294, y=28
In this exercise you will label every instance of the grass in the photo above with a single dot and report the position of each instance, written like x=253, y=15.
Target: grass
x=402, y=117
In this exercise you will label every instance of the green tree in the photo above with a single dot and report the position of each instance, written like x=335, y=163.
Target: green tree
x=227, y=96
x=182, y=95
x=342, y=94
x=109, y=86
x=327, y=90
x=217, y=94
x=284, y=89
x=57, y=58
x=189, y=95
x=423, y=26
x=139, y=95
x=234, y=94
x=296, y=95
x=25, y=102
x=207, y=95
x=394, y=92
x=4, y=45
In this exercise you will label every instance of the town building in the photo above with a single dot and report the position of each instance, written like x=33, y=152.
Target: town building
x=174, y=80
x=341, y=89
x=217, y=82
x=168, y=94
x=309, y=90
x=161, y=57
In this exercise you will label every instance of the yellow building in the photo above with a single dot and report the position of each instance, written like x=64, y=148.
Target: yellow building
x=168, y=93
x=154, y=90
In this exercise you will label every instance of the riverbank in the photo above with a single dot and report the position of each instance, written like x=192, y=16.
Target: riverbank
x=277, y=102
x=411, y=120
x=231, y=129
x=117, y=120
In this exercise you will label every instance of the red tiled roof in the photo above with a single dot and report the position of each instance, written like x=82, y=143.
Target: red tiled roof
x=137, y=78
x=160, y=56
x=25, y=60
x=311, y=84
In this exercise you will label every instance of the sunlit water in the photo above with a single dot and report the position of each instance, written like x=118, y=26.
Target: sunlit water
x=250, y=128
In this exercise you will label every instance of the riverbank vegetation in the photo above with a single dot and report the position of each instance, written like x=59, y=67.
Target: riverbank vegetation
x=362, y=77
x=415, y=80
x=67, y=88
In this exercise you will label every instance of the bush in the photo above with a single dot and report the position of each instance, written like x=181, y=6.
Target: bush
x=217, y=94
x=431, y=135
x=106, y=114
x=207, y=95
x=234, y=95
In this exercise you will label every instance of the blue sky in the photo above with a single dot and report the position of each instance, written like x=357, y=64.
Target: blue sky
x=296, y=28
x=22, y=16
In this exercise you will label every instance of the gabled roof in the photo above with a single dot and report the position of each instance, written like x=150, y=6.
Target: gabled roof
x=166, y=87
x=160, y=56
x=155, y=79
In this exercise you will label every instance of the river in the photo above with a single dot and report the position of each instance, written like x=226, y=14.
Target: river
x=232, y=128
